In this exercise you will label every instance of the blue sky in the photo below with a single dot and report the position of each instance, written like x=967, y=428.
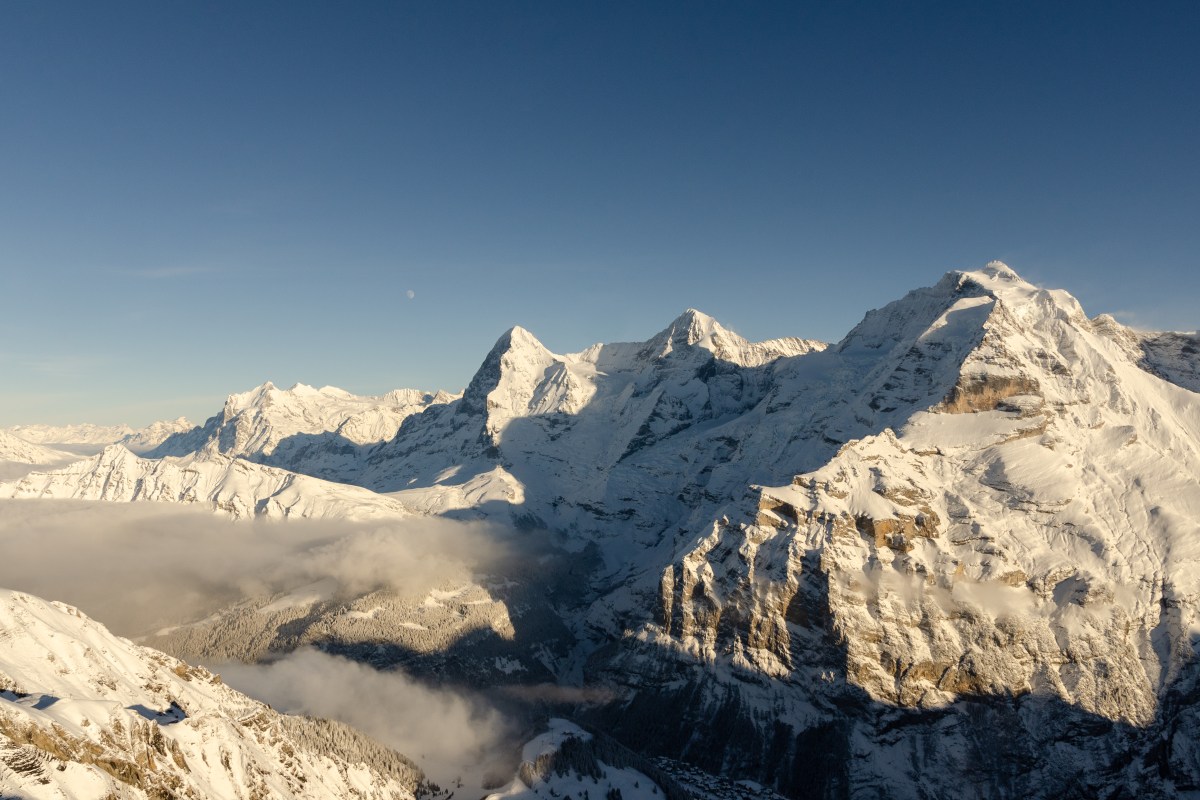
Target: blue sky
x=195, y=198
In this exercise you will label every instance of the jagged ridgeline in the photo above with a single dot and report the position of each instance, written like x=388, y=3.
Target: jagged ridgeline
x=953, y=555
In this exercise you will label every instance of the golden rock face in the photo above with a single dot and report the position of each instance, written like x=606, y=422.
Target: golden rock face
x=973, y=393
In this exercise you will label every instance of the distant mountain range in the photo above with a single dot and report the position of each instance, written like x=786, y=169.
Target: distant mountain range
x=87, y=435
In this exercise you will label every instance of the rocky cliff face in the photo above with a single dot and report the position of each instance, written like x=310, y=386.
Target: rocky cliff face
x=1022, y=553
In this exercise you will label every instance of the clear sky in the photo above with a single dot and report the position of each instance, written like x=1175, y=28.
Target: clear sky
x=197, y=197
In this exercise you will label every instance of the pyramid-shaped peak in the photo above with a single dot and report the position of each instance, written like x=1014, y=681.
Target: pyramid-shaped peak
x=516, y=332
x=256, y=396
x=516, y=349
x=518, y=338
x=691, y=327
x=694, y=316
x=115, y=454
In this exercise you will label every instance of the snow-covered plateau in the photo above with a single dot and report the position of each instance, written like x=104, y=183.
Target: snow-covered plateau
x=956, y=554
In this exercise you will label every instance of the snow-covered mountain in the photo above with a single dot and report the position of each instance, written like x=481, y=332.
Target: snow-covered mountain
x=232, y=486
x=980, y=502
x=1001, y=551
x=322, y=432
x=86, y=714
x=1174, y=357
x=957, y=553
x=19, y=457
x=610, y=439
x=154, y=434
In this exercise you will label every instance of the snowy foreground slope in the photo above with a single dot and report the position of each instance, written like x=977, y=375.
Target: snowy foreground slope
x=84, y=714
x=955, y=554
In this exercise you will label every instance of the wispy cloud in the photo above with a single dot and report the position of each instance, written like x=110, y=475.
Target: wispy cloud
x=56, y=366
x=167, y=273
x=1140, y=321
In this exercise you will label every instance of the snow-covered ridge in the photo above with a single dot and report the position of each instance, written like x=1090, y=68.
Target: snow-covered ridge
x=318, y=431
x=232, y=486
x=696, y=329
x=585, y=412
x=15, y=449
x=154, y=434
x=84, y=713
x=1172, y=356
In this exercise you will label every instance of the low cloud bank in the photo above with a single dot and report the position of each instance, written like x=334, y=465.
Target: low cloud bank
x=449, y=734
x=138, y=567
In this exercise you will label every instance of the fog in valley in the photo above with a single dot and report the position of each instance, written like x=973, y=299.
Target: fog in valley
x=140, y=568
x=450, y=734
